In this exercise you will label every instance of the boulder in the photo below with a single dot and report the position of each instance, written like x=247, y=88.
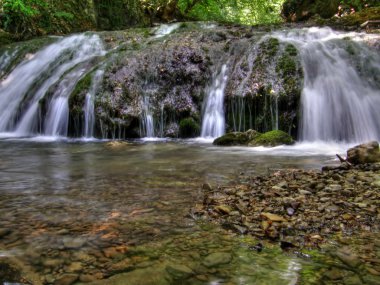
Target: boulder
x=272, y=138
x=364, y=153
x=236, y=138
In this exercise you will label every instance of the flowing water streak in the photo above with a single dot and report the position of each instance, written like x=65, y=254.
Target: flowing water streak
x=89, y=106
x=213, y=124
x=37, y=75
x=147, y=120
x=165, y=29
x=339, y=101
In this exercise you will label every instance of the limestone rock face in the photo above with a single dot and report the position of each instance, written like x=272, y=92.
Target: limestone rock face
x=364, y=153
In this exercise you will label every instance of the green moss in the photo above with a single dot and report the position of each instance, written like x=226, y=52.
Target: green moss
x=77, y=97
x=189, y=128
x=236, y=138
x=272, y=138
x=286, y=66
x=270, y=46
x=291, y=50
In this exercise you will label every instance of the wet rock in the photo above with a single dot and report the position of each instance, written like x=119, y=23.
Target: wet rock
x=217, y=258
x=66, y=279
x=223, y=209
x=155, y=275
x=273, y=217
x=348, y=257
x=86, y=278
x=371, y=279
x=74, y=267
x=73, y=243
x=4, y=232
x=179, y=271
x=207, y=186
x=352, y=280
x=334, y=274
x=364, y=153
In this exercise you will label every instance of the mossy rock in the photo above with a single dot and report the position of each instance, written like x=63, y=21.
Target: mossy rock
x=272, y=138
x=5, y=38
x=189, y=128
x=236, y=138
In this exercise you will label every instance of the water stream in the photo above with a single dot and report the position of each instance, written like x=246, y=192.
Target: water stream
x=340, y=101
x=20, y=103
x=98, y=206
x=213, y=124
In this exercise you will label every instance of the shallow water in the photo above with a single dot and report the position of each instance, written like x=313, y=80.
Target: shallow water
x=100, y=209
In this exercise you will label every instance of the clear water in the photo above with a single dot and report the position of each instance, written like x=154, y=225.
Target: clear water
x=137, y=195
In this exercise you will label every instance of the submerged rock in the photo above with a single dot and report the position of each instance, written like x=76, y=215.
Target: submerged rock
x=217, y=258
x=364, y=153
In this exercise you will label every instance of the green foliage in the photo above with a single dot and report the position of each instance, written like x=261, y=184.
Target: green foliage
x=234, y=11
x=188, y=128
x=358, y=5
x=27, y=18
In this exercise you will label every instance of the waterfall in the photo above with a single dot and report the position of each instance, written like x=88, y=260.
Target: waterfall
x=213, y=124
x=89, y=111
x=340, y=101
x=147, y=119
x=23, y=89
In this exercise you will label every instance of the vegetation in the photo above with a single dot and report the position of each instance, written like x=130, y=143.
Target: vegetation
x=27, y=18
x=188, y=128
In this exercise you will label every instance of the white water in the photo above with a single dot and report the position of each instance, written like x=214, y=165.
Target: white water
x=165, y=29
x=147, y=119
x=89, y=111
x=32, y=79
x=338, y=103
x=213, y=123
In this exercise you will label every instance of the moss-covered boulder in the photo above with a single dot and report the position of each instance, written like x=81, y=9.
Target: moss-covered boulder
x=272, y=138
x=236, y=138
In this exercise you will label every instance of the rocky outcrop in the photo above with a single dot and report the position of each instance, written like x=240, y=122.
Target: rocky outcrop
x=364, y=153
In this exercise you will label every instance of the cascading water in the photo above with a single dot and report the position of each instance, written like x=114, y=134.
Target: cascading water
x=147, y=120
x=22, y=90
x=340, y=102
x=213, y=124
x=89, y=112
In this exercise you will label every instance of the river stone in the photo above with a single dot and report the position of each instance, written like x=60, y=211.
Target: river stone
x=273, y=217
x=66, y=279
x=73, y=243
x=352, y=280
x=347, y=257
x=4, y=232
x=179, y=271
x=155, y=275
x=370, y=279
x=364, y=153
x=223, y=209
x=217, y=258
